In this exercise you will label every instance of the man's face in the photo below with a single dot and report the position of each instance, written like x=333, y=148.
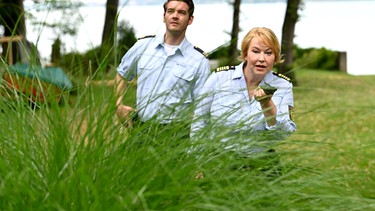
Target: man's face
x=176, y=17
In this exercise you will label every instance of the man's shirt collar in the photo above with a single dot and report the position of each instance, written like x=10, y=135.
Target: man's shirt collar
x=183, y=47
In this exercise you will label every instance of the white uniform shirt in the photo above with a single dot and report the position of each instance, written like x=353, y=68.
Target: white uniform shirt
x=166, y=84
x=224, y=107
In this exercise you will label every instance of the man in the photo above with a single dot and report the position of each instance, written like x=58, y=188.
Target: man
x=170, y=71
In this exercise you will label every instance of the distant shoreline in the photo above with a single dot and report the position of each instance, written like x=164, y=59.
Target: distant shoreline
x=198, y=2
x=332, y=24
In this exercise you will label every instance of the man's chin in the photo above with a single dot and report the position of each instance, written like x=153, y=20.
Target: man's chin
x=175, y=31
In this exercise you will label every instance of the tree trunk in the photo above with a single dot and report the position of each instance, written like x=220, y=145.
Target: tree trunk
x=13, y=20
x=109, y=31
x=109, y=23
x=56, y=52
x=287, y=45
x=233, y=50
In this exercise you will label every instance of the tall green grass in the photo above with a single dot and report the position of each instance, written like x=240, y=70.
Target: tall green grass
x=77, y=156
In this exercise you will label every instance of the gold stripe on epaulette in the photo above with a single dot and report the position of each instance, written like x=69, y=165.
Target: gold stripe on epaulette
x=225, y=68
x=281, y=76
x=201, y=51
x=147, y=36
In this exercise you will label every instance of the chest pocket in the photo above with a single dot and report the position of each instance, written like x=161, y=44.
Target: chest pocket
x=148, y=63
x=183, y=72
x=230, y=100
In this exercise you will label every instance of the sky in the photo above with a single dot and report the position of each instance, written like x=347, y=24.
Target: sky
x=336, y=25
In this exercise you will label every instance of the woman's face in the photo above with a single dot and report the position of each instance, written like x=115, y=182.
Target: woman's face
x=260, y=58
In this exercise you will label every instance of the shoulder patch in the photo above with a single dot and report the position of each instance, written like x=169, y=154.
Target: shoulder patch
x=281, y=76
x=147, y=36
x=225, y=68
x=291, y=112
x=201, y=51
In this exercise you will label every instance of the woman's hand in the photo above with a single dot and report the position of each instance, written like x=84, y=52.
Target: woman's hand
x=261, y=96
x=268, y=107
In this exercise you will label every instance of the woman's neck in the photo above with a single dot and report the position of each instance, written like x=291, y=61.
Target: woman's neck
x=250, y=78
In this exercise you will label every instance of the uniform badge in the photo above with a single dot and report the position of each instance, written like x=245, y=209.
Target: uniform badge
x=291, y=112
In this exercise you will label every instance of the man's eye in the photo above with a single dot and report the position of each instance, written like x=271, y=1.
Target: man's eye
x=182, y=12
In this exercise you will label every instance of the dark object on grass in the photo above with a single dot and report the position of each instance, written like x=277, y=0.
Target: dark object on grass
x=269, y=90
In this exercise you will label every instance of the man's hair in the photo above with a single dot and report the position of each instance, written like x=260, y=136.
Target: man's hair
x=190, y=4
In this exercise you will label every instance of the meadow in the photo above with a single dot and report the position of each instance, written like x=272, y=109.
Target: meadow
x=77, y=156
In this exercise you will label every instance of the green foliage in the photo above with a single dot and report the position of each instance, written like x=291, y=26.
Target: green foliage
x=78, y=157
x=102, y=59
x=82, y=64
x=126, y=37
x=56, y=52
x=314, y=58
x=60, y=25
x=220, y=52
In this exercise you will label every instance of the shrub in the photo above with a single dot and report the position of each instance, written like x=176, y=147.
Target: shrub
x=316, y=58
x=99, y=59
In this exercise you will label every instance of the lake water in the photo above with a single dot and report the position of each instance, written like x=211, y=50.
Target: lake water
x=337, y=25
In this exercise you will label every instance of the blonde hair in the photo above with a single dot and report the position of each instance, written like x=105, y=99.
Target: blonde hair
x=265, y=36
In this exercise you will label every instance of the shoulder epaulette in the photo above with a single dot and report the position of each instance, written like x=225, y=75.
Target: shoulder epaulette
x=201, y=51
x=225, y=68
x=281, y=76
x=147, y=36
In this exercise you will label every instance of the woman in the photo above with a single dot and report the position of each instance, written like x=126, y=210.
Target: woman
x=239, y=105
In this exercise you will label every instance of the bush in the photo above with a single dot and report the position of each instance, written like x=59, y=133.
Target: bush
x=220, y=53
x=100, y=59
x=315, y=58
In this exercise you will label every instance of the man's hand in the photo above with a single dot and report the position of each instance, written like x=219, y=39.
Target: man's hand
x=123, y=113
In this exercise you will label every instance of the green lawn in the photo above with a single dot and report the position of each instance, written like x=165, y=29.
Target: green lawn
x=76, y=156
x=335, y=117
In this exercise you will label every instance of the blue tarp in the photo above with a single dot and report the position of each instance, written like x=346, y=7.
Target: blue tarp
x=53, y=75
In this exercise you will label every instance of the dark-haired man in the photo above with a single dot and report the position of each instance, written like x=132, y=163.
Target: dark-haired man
x=170, y=71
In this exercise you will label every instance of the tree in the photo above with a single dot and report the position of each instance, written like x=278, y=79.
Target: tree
x=110, y=22
x=12, y=20
x=233, y=49
x=287, y=45
x=13, y=17
x=60, y=25
x=56, y=51
x=126, y=37
x=108, y=37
